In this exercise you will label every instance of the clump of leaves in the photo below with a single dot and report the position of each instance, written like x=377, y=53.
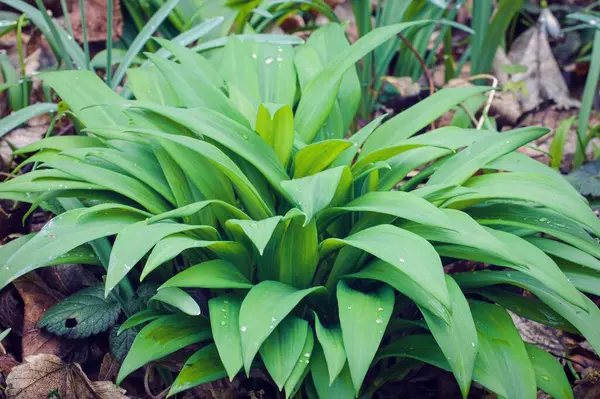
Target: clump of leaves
x=319, y=259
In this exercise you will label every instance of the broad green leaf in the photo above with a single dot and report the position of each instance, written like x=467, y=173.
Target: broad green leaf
x=276, y=127
x=527, y=307
x=341, y=387
x=163, y=337
x=196, y=207
x=149, y=85
x=258, y=232
x=139, y=318
x=283, y=349
x=314, y=193
x=363, y=318
x=409, y=122
x=566, y=252
x=518, y=253
x=320, y=93
x=537, y=219
x=21, y=116
x=408, y=253
x=224, y=313
x=463, y=165
x=179, y=299
x=111, y=180
x=60, y=143
x=457, y=340
x=202, y=367
x=381, y=271
x=558, y=141
x=332, y=343
x=66, y=232
x=82, y=314
x=265, y=306
x=358, y=139
x=230, y=134
x=501, y=350
x=317, y=157
x=210, y=274
x=129, y=249
x=173, y=245
x=549, y=374
x=586, y=280
x=585, y=322
x=394, y=203
x=294, y=382
x=83, y=91
x=529, y=187
x=297, y=253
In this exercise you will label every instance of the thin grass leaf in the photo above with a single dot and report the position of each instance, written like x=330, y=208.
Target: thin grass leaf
x=18, y=118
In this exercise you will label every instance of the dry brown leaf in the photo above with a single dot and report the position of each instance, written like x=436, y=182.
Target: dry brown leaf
x=7, y=363
x=543, y=79
x=37, y=298
x=42, y=376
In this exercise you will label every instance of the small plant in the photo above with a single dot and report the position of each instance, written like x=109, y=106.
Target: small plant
x=323, y=264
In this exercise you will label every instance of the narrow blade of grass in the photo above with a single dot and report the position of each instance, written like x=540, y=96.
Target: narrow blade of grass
x=109, y=41
x=141, y=39
x=16, y=119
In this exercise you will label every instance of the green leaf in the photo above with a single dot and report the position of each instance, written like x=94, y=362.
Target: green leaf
x=314, y=193
x=81, y=315
x=276, y=127
x=320, y=93
x=60, y=143
x=66, y=232
x=585, y=322
x=139, y=318
x=179, y=299
x=585, y=179
x=283, y=349
x=537, y=219
x=173, y=245
x=4, y=334
x=129, y=249
x=149, y=85
x=297, y=253
x=458, y=340
x=163, y=337
x=558, y=142
x=224, y=321
x=265, y=306
x=363, y=318
x=463, y=165
x=358, y=139
x=21, y=116
x=258, y=232
x=529, y=187
x=120, y=343
x=549, y=374
x=409, y=122
x=294, y=382
x=141, y=39
x=502, y=352
x=406, y=253
x=566, y=252
x=211, y=274
x=202, y=367
x=332, y=342
x=316, y=157
x=341, y=387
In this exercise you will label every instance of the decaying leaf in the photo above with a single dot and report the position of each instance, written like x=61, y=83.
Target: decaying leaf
x=45, y=376
x=543, y=79
x=95, y=18
x=37, y=298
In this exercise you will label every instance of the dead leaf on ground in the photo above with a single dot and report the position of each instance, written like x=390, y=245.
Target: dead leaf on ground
x=11, y=310
x=95, y=16
x=68, y=279
x=42, y=376
x=589, y=386
x=543, y=78
x=539, y=334
x=37, y=298
x=7, y=363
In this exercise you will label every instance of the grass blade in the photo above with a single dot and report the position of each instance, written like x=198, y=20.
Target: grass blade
x=54, y=32
x=558, y=142
x=109, y=41
x=18, y=118
x=86, y=44
x=141, y=39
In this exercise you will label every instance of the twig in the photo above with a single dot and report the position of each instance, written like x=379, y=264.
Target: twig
x=423, y=65
x=488, y=103
x=473, y=119
x=161, y=395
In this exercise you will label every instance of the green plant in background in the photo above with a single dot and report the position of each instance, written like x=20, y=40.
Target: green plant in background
x=320, y=262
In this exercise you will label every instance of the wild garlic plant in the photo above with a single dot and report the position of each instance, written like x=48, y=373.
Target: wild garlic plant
x=322, y=262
